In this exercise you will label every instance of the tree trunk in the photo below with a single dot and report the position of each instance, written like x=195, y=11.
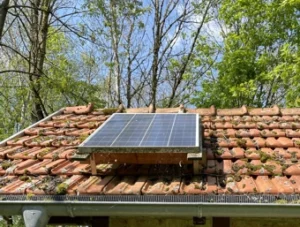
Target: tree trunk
x=115, y=45
x=3, y=12
x=129, y=64
x=128, y=92
x=38, y=39
x=156, y=47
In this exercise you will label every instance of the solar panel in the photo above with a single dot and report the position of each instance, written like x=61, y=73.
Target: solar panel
x=159, y=131
x=139, y=132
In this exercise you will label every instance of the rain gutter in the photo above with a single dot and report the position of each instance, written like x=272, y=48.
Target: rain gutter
x=92, y=208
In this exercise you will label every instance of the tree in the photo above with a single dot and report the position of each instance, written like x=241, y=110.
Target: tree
x=38, y=72
x=3, y=12
x=143, y=40
x=168, y=25
x=120, y=23
x=260, y=63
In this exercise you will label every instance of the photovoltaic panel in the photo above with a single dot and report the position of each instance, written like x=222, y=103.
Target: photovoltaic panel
x=133, y=131
x=183, y=133
x=159, y=131
x=109, y=131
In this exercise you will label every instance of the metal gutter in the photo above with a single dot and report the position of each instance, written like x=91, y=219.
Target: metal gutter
x=81, y=209
x=154, y=205
x=21, y=133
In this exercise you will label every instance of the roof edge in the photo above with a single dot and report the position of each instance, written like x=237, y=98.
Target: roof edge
x=89, y=209
x=22, y=132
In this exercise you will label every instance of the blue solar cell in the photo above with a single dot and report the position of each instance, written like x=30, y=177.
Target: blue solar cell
x=146, y=130
x=184, y=131
x=108, y=133
x=134, y=132
x=159, y=131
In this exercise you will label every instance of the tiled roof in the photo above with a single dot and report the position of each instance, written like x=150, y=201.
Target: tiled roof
x=248, y=150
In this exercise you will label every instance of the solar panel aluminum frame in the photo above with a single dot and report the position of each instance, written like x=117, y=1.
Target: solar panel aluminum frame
x=84, y=149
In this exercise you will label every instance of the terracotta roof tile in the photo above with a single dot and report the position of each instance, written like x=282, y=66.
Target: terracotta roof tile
x=248, y=151
x=20, y=140
x=290, y=111
x=264, y=111
x=246, y=185
x=232, y=112
x=265, y=185
x=293, y=169
x=69, y=168
x=161, y=186
x=70, y=184
x=44, y=167
x=25, y=153
x=295, y=181
x=128, y=185
x=204, y=111
x=198, y=185
x=231, y=186
x=79, y=109
x=94, y=185
x=15, y=186
x=283, y=184
x=252, y=153
x=21, y=168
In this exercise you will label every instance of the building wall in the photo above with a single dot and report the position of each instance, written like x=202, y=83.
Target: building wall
x=154, y=222
x=188, y=222
x=265, y=222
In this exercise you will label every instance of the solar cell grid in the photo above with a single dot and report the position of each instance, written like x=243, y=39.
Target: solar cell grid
x=109, y=131
x=159, y=131
x=184, y=132
x=134, y=132
x=146, y=130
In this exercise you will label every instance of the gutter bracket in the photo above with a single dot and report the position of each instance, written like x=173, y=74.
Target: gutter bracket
x=35, y=216
x=70, y=211
x=199, y=209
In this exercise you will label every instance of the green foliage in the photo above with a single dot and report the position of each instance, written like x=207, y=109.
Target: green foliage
x=260, y=64
x=61, y=85
x=17, y=222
